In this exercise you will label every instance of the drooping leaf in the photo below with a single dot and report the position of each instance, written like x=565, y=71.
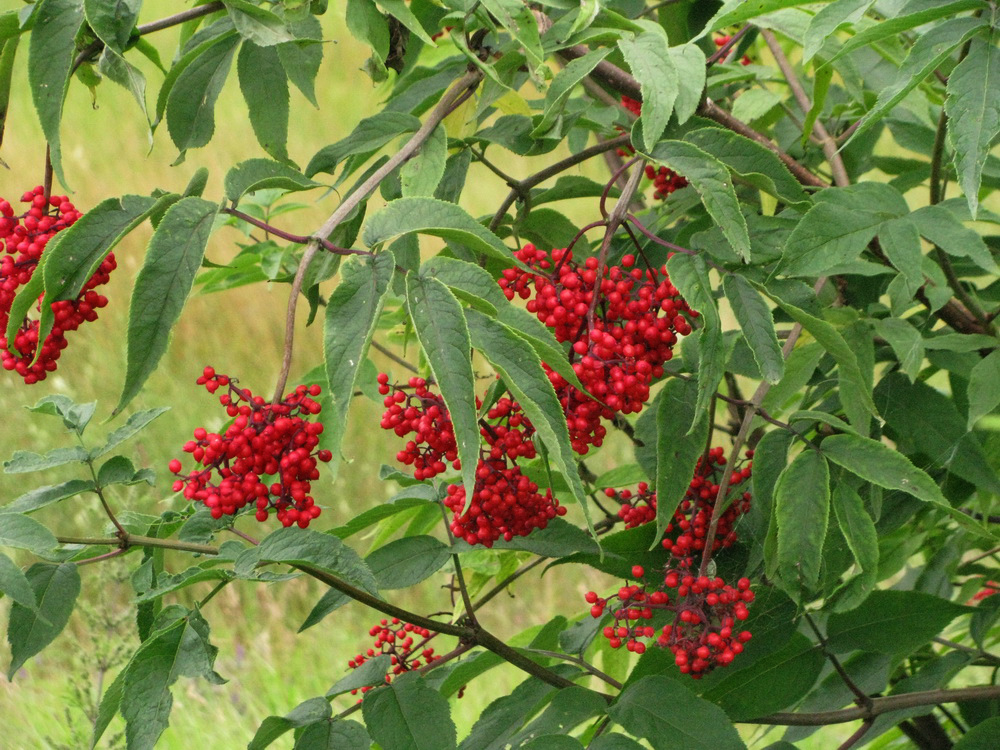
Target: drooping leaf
x=679, y=444
x=828, y=20
x=689, y=61
x=261, y=174
x=711, y=180
x=984, y=387
x=31, y=630
x=439, y=322
x=757, y=325
x=265, y=90
x=112, y=22
x=14, y=584
x=857, y=526
x=116, y=68
x=308, y=712
x=900, y=240
x=421, y=175
x=407, y=714
x=257, y=25
x=802, y=512
x=892, y=622
x=371, y=134
x=132, y=427
x=563, y=85
x=906, y=343
x=173, y=258
x=941, y=227
x=648, y=57
x=371, y=672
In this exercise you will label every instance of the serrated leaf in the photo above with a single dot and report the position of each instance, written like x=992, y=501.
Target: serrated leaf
x=74, y=254
x=505, y=715
x=689, y=61
x=668, y=715
x=568, y=709
x=112, y=21
x=828, y=20
x=399, y=10
x=409, y=715
x=879, y=464
x=522, y=371
x=439, y=323
x=752, y=161
x=941, y=227
x=294, y=546
x=421, y=175
x=301, y=59
x=839, y=227
x=906, y=343
x=351, y=315
x=984, y=387
x=754, y=103
x=261, y=174
x=14, y=584
x=928, y=52
x=116, y=68
x=711, y=180
x=308, y=712
x=173, y=258
x=857, y=526
x=408, y=561
x=190, y=104
x=648, y=57
x=51, y=48
x=802, y=511
x=132, y=427
x=900, y=240
x=892, y=622
x=31, y=630
x=371, y=134
x=257, y=25
x=735, y=12
x=680, y=442
x=25, y=461
x=757, y=324
x=265, y=90
x=563, y=85
x=331, y=601
x=371, y=672
x=437, y=218
x=333, y=735
x=107, y=710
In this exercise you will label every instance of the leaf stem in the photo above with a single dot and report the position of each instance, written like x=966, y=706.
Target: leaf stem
x=580, y=663
x=448, y=103
x=297, y=238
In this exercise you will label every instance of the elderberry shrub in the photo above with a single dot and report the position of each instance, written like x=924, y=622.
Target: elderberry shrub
x=23, y=238
x=263, y=439
x=400, y=641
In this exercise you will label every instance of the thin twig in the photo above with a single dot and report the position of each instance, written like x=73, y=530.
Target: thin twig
x=860, y=696
x=296, y=238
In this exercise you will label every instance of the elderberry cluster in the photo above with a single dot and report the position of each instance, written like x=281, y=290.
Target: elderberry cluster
x=665, y=180
x=505, y=503
x=722, y=41
x=702, y=633
x=23, y=239
x=618, y=341
x=399, y=640
x=262, y=440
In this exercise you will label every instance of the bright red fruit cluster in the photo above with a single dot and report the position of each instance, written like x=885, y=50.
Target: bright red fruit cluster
x=505, y=503
x=665, y=181
x=722, y=41
x=23, y=238
x=617, y=353
x=702, y=634
x=399, y=640
x=263, y=439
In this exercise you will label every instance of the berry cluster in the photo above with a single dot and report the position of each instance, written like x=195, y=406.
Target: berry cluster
x=722, y=41
x=23, y=239
x=694, y=514
x=990, y=588
x=618, y=342
x=505, y=503
x=398, y=639
x=263, y=439
x=665, y=181
x=705, y=610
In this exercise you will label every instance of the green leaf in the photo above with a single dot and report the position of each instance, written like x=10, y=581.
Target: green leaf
x=173, y=258
x=891, y=622
x=440, y=326
x=669, y=716
x=14, y=584
x=408, y=561
x=755, y=320
x=112, y=21
x=73, y=256
x=690, y=276
x=409, y=715
x=906, y=343
x=830, y=18
x=857, y=526
x=26, y=298
x=257, y=25
x=802, y=511
x=735, y=12
x=517, y=363
x=983, y=736
x=51, y=48
x=751, y=161
x=505, y=715
x=110, y=703
x=371, y=134
x=568, y=709
x=368, y=25
x=437, y=218
x=8, y=53
x=420, y=176
x=190, y=103
x=261, y=174
x=309, y=712
x=399, y=10
x=771, y=684
x=984, y=387
x=29, y=630
x=25, y=461
x=879, y=464
x=333, y=735
x=411, y=497
x=754, y=103
x=351, y=315
x=132, y=427
x=265, y=90
x=928, y=52
x=371, y=672
x=941, y=227
x=301, y=59
x=116, y=68
x=711, y=180
x=179, y=649
x=166, y=584
x=689, y=60
x=839, y=227
x=614, y=741
x=680, y=442
x=648, y=57
x=294, y=546
x=900, y=240
x=563, y=85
